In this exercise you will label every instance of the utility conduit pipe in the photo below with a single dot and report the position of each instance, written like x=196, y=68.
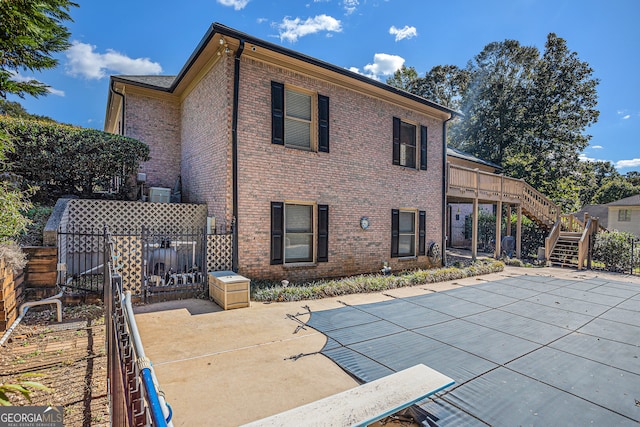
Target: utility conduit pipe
x=157, y=401
x=25, y=307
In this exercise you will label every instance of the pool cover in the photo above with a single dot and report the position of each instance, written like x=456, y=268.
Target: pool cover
x=527, y=350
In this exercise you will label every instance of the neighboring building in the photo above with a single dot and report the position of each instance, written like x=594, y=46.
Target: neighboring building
x=624, y=215
x=621, y=215
x=324, y=171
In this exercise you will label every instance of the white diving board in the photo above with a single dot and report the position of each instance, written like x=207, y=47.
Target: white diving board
x=365, y=404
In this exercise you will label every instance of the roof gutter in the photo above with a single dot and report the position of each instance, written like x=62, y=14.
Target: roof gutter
x=234, y=152
x=112, y=87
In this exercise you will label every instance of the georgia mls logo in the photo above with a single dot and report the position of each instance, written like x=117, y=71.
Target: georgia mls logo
x=31, y=416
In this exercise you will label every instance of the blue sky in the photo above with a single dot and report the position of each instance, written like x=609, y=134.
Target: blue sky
x=374, y=37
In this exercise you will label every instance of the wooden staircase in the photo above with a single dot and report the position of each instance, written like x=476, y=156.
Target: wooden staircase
x=569, y=237
x=568, y=242
x=566, y=251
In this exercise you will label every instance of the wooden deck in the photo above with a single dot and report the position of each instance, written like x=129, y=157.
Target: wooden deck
x=464, y=184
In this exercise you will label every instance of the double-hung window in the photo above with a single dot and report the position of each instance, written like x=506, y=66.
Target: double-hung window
x=408, y=228
x=409, y=150
x=299, y=233
x=299, y=118
x=624, y=215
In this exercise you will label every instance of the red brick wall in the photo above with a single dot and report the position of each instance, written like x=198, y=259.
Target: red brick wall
x=206, y=143
x=156, y=122
x=357, y=178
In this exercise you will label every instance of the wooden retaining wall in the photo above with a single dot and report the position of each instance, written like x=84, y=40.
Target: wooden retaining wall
x=11, y=294
x=40, y=273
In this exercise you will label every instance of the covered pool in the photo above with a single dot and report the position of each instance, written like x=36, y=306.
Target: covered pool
x=526, y=350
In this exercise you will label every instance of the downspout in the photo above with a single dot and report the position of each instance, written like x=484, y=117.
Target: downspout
x=113, y=90
x=234, y=153
x=444, y=190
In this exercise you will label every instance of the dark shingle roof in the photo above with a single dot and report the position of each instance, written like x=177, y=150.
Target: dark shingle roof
x=454, y=152
x=162, y=82
x=628, y=201
x=598, y=211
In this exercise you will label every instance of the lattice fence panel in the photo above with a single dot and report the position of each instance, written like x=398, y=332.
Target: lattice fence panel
x=128, y=252
x=219, y=252
x=123, y=216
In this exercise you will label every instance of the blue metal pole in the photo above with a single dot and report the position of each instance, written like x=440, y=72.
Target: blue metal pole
x=157, y=416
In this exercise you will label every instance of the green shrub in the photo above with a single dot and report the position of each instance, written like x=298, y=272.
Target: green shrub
x=614, y=250
x=274, y=291
x=14, y=204
x=63, y=159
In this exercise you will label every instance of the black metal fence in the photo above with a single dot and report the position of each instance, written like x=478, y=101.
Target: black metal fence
x=133, y=398
x=155, y=265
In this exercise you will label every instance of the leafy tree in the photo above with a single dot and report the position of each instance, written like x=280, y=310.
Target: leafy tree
x=62, y=159
x=494, y=103
x=528, y=112
x=443, y=84
x=591, y=176
x=403, y=78
x=613, y=190
x=633, y=177
x=30, y=33
x=15, y=109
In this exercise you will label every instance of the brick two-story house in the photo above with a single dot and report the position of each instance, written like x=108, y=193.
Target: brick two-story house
x=324, y=171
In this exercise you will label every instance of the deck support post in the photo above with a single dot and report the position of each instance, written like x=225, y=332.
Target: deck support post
x=519, y=233
x=498, y=250
x=474, y=230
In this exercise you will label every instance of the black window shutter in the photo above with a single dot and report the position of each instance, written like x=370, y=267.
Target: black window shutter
x=277, y=232
x=395, y=232
x=323, y=123
x=422, y=226
x=277, y=113
x=396, y=141
x=323, y=233
x=423, y=148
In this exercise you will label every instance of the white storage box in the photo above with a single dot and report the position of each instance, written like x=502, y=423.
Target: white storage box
x=228, y=289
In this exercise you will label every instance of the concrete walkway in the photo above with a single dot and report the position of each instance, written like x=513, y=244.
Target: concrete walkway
x=227, y=368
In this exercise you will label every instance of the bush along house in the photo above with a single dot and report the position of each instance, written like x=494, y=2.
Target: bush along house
x=324, y=172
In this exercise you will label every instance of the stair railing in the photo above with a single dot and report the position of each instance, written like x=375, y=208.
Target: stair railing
x=551, y=240
x=591, y=228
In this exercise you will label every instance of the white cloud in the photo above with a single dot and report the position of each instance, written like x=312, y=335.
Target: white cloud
x=237, y=4
x=292, y=29
x=15, y=75
x=84, y=61
x=403, y=33
x=633, y=163
x=350, y=6
x=56, y=92
x=627, y=117
x=597, y=147
x=383, y=65
x=261, y=20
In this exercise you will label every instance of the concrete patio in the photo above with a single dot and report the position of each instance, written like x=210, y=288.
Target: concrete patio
x=226, y=368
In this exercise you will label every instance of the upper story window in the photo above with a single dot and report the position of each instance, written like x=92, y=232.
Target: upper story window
x=408, y=150
x=624, y=215
x=299, y=118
